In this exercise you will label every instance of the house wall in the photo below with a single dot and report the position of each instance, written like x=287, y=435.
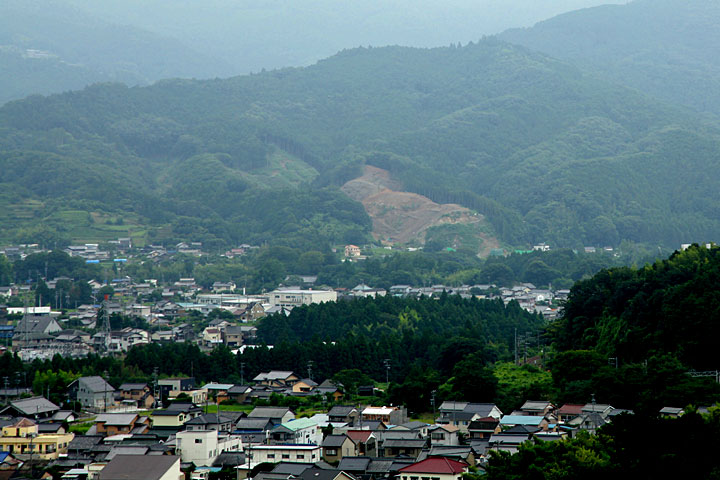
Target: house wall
x=273, y=454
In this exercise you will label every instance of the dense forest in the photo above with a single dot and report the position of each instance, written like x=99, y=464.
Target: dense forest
x=259, y=158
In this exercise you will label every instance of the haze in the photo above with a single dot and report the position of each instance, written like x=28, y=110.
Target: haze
x=140, y=41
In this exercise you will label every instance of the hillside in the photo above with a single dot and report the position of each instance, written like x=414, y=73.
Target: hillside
x=540, y=150
x=667, y=48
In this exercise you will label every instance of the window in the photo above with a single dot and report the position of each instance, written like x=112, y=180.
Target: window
x=286, y=456
x=331, y=451
x=198, y=440
x=271, y=455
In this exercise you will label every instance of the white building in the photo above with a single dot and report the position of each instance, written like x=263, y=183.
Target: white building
x=284, y=453
x=202, y=447
x=294, y=298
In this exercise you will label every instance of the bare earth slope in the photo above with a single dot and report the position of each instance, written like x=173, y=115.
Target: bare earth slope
x=403, y=217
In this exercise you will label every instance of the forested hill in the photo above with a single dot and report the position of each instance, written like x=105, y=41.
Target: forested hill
x=667, y=48
x=668, y=307
x=545, y=152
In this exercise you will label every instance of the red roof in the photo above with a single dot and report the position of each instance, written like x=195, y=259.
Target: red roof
x=570, y=409
x=436, y=465
x=359, y=435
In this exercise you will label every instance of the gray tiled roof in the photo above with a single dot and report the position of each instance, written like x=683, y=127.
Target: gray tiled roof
x=34, y=405
x=147, y=467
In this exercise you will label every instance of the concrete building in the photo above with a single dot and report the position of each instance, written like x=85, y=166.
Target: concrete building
x=294, y=298
x=202, y=447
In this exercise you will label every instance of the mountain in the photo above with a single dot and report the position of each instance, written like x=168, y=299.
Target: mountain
x=666, y=48
x=541, y=150
x=252, y=35
x=49, y=47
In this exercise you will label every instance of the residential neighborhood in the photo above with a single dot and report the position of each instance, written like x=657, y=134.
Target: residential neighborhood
x=114, y=431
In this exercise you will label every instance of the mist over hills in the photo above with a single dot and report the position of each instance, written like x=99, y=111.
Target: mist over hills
x=666, y=48
x=50, y=46
x=543, y=151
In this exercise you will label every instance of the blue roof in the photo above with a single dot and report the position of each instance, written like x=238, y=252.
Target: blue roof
x=521, y=420
x=3, y=456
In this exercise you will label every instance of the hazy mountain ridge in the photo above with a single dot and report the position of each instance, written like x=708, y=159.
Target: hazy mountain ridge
x=666, y=48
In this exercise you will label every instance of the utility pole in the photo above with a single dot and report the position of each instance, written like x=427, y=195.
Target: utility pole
x=516, y=345
x=242, y=373
x=309, y=367
x=155, y=385
x=432, y=400
x=387, y=371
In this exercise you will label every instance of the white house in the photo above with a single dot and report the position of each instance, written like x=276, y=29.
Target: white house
x=202, y=447
x=284, y=453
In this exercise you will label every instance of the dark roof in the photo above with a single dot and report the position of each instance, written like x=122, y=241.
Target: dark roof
x=252, y=423
x=268, y=412
x=84, y=442
x=291, y=468
x=354, y=464
x=404, y=443
x=147, y=467
x=334, y=441
x=341, y=410
x=132, y=386
x=230, y=458
x=320, y=474
x=522, y=430
x=209, y=419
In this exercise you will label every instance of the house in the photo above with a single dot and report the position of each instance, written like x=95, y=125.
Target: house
x=202, y=447
x=365, y=441
x=218, y=287
x=138, y=394
x=301, y=431
x=483, y=427
x=444, y=435
x=32, y=407
x=232, y=336
x=22, y=438
x=328, y=387
x=210, y=421
x=568, y=412
x=539, y=423
x=175, y=416
x=439, y=468
x=92, y=392
x=534, y=407
x=37, y=324
x=277, y=415
x=178, y=385
x=305, y=385
x=147, y=467
x=335, y=447
x=387, y=415
x=284, y=453
x=239, y=393
x=406, y=447
x=343, y=414
x=461, y=414
x=352, y=251
x=110, y=424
